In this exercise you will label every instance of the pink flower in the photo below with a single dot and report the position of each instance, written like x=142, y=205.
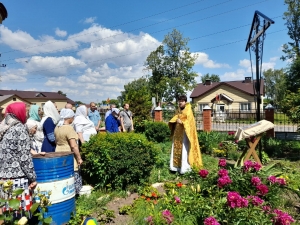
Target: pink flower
x=234, y=200
x=266, y=208
x=247, y=165
x=256, y=166
x=223, y=173
x=231, y=132
x=281, y=181
x=262, y=189
x=222, y=162
x=282, y=218
x=272, y=179
x=177, y=199
x=203, y=173
x=221, y=144
x=223, y=181
x=255, y=200
x=149, y=220
x=211, y=221
x=236, y=141
x=167, y=215
x=255, y=181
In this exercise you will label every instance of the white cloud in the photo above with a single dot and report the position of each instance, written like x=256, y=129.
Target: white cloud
x=90, y=20
x=24, y=42
x=60, y=33
x=13, y=75
x=203, y=59
x=265, y=65
x=51, y=66
x=231, y=76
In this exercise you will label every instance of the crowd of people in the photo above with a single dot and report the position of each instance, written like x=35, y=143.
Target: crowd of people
x=29, y=130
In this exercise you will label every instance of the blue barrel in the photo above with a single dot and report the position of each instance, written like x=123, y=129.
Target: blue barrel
x=55, y=173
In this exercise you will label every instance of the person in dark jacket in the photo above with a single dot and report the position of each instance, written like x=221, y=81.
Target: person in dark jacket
x=49, y=121
x=112, y=122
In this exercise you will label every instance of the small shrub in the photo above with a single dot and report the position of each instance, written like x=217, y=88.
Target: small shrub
x=210, y=140
x=157, y=131
x=118, y=160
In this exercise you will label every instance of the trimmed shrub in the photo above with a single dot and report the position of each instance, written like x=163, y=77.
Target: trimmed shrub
x=157, y=131
x=118, y=160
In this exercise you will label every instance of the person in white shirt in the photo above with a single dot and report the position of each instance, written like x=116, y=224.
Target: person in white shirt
x=83, y=125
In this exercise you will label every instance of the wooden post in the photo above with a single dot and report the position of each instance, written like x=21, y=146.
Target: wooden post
x=269, y=115
x=158, y=114
x=207, y=125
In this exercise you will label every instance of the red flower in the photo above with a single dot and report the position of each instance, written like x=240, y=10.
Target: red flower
x=179, y=185
x=154, y=195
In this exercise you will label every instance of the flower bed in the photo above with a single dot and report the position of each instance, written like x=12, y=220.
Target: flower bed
x=246, y=195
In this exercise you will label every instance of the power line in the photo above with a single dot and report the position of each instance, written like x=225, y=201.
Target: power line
x=125, y=23
x=213, y=47
x=152, y=25
x=115, y=35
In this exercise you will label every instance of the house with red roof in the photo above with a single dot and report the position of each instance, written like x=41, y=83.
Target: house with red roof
x=227, y=96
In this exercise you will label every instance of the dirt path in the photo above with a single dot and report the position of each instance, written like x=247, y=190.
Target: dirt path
x=116, y=204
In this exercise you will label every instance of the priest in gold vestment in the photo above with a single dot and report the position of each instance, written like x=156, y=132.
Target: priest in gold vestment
x=185, y=146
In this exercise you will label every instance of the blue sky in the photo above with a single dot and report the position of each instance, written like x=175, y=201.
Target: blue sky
x=90, y=49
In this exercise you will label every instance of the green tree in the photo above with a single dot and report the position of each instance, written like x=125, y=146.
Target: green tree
x=291, y=106
x=114, y=101
x=292, y=18
x=137, y=95
x=172, y=64
x=275, y=84
x=78, y=103
x=158, y=81
x=212, y=77
x=61, y=93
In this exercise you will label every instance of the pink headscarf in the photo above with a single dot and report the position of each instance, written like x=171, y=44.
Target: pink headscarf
x=18, y=109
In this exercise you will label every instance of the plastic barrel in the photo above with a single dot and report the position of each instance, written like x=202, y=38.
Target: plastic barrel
x=55, y=173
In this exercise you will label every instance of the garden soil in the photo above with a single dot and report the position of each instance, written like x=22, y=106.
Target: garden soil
x=117, y=203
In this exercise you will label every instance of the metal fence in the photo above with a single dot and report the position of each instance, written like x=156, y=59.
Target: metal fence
x=231, y=120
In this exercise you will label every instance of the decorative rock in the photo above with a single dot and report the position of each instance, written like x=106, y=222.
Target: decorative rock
x=156, y=185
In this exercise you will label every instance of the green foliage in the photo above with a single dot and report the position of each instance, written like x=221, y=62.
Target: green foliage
x=201, y=198
x=157, y=131
x=291, y=106
x=171, y=66
x=212, y=77
x=275, y=85
x=210, y=140
x=281, y=148
x=118, y=160
x=292, y=18
x=138, y=96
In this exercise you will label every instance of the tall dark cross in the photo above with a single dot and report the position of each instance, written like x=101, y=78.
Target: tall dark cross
x=255, y=43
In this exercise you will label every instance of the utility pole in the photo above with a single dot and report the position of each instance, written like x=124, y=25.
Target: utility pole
x=257, y=35
x=256, y=43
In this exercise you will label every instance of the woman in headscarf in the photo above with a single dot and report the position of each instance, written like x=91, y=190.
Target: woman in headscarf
x=49, y=121
x=66, y=141
x=32, y=129
x=35, y=115
x=16, y=166
x=83, y=125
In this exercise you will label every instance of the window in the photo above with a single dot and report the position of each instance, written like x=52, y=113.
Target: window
x=245, y=106
x=201, y=106
x=220, y=108
x=14, y=99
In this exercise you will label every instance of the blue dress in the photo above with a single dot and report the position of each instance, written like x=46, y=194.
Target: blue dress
x=49, y=138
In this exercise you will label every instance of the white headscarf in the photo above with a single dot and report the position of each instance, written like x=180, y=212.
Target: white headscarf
x=81, y=116
x=30, y=124
x=65, y=114
x=50, y=111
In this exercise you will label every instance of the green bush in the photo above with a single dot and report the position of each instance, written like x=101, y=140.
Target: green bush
x=210, y=140
x=157, y=131
x=118, y=160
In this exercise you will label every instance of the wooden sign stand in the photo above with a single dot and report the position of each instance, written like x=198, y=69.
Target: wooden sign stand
x=250, y=151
